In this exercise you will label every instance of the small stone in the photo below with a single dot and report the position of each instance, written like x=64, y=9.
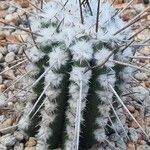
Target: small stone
x=2, y=35
x=18, y=135
x=130, y=146
x=3, y=6
x=3, y=50
x=143, y=147
x=11, y=10
x=147, y=121
x=19, y=146
x=147, y=83
x=141, y=142
x=2, y=100
x=25, y=4
x=1, y=79
x=31, y=142
x=8, y=122
x=10, y=57
x=13, y=48
x=30, y=148
x=141, y=76
x=13, y=18
x=131, y=108
x=2, y=88
x=2, y=147
x=1, y=57
x=146, y=51
x=133, y=135
x=7, y=140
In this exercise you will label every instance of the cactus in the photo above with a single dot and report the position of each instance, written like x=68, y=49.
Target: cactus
x=71, y=103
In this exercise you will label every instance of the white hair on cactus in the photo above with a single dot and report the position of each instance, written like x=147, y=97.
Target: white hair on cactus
x=104, y=79
x=100, y=134
x=54, y=78
x=52, y=93
x=102, y=55
x=24, y=122
x=34, y=54
x=32, y=69
x=59, y=56
x=82, y=51
x=44, y=133
x=78, y=73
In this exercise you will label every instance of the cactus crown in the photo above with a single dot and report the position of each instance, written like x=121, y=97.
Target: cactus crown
x=73, y=68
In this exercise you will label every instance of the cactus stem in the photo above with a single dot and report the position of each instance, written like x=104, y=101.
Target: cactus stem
x=121, y=102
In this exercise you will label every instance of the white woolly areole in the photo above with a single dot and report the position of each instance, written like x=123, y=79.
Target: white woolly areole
x=82, y=51
x=59, y=57
x=100, y=134
x=108, y=78
x=78, y=73
x=53, y=78
x=34, y=54
x=44, y=133
x=102, y=55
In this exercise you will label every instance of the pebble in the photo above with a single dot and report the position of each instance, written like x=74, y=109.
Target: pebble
x=7, y=140
x=13, y=18
x=1, y=57
x=2, y=147
x=8, y=122
x=131, y=108
x=31, y=142
x=10, y=57
x=141, y=76
x=3, y=6
x=11, y=10
x=2, y=88
x=130, y=146
x=13, y=48
x=25, y=4
x=133, y=135
x=30, y=148
x=19, y=146
x=3, y=50
x=143, y=147
x=18, y=135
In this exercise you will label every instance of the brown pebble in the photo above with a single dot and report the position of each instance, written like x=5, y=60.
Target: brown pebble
x=130, y=146
x=31, y=142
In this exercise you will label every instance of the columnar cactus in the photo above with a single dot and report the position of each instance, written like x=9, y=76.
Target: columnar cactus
x=73, y=71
